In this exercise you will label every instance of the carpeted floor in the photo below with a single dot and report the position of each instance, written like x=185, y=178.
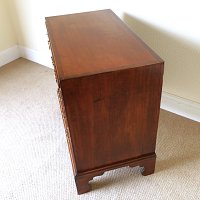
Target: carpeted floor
x=34, y=158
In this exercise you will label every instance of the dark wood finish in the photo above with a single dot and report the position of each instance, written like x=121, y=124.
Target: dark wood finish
x=109, y=89
x=96, y=42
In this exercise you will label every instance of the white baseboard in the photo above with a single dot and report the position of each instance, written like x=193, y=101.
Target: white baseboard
x=9, y=55
x=43, y=58
x=180, y=106
x=169, y=102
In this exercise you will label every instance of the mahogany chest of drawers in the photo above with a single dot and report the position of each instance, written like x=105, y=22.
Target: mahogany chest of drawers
x=109, y=89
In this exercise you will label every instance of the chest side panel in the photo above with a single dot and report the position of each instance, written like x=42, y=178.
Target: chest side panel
x=113, y=116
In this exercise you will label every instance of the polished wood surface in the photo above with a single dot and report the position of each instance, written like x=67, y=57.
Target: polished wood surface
x=109, y=89
x=112, y=112
x=89, y=43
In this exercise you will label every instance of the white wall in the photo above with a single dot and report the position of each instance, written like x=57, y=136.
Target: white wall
x=171, y=28
x=7, y=35
x=29, y=17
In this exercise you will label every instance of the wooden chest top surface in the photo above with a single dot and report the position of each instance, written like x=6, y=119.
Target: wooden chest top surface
x=95, y=42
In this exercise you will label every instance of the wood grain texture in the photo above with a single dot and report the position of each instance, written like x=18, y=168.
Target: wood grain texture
x=110, y=86
x=95, y=42
x=111, y=115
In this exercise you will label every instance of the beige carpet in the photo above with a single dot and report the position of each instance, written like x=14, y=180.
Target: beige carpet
x=34, y=158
